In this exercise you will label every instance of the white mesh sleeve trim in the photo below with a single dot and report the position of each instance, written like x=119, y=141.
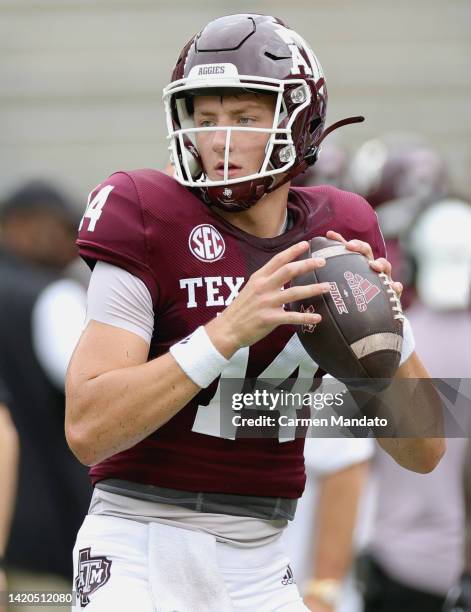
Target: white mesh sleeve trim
x=119, y=298
x=408, y=342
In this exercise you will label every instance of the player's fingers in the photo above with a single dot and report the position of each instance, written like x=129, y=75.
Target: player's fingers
x=289, y=317
x=398, y=287
x=359, y=246
x=381, y=265
x=335, y=236
x=293, y=294
x=280, y=259
x=294, y=268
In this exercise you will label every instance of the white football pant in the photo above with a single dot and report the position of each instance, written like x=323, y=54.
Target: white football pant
x=122, y=565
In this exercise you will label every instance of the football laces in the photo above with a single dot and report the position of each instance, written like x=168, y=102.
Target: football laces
x=393, y=297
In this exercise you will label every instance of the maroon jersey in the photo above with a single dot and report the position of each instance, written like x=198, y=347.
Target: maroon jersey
x=194, y=263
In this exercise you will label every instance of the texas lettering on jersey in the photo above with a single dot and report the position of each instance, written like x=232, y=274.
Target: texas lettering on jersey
x=211, y=296
x=194, y=264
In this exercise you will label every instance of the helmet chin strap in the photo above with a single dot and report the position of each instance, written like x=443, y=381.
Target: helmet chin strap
x=311, y=157
x=337, y=124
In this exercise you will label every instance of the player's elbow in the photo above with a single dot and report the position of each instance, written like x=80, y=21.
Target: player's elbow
x=421, y=455
x=429, y=455
x=436, y=448
x=79, y=444
x=78, y=433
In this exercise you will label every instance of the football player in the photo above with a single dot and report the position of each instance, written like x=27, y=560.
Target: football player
x=186, y=294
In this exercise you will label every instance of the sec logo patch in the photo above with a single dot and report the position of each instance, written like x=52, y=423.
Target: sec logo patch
x=206, y=243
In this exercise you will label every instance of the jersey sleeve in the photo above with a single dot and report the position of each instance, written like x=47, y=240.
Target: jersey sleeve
x=113, y=229
x=119, y=298
x=375, y=235
x=361, y=222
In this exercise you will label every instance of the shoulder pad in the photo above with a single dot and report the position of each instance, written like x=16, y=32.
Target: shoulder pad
x=112, y=228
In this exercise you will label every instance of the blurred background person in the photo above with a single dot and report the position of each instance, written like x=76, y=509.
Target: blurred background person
x=320, y=540
x=9, y=452
x=42, y=317
x=400, y=175
x=416, y=547
x=440, y=243
x=39, y=225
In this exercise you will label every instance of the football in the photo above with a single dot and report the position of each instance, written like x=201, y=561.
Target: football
x=360, y=335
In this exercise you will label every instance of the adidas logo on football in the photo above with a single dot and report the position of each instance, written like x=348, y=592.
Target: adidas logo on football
x=288, y=578
x=362, y=290
x=369, y=290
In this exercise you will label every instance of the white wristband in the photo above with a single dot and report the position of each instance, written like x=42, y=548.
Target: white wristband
x=198, y=357
x=408, y=341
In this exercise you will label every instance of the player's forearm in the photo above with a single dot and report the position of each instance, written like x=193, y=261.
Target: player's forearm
x=337, y=510
x=118, y=409
x=9, y=452
x=421, y=411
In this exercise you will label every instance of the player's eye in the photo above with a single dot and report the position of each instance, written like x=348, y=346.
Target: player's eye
x=206, y=123
x=246, y=120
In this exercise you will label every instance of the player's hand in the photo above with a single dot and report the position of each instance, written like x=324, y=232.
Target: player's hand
x=315, y=605
x=259, y=307
x=378, y=265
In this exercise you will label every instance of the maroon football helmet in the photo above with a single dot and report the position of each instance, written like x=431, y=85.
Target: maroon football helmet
x=253, y=54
